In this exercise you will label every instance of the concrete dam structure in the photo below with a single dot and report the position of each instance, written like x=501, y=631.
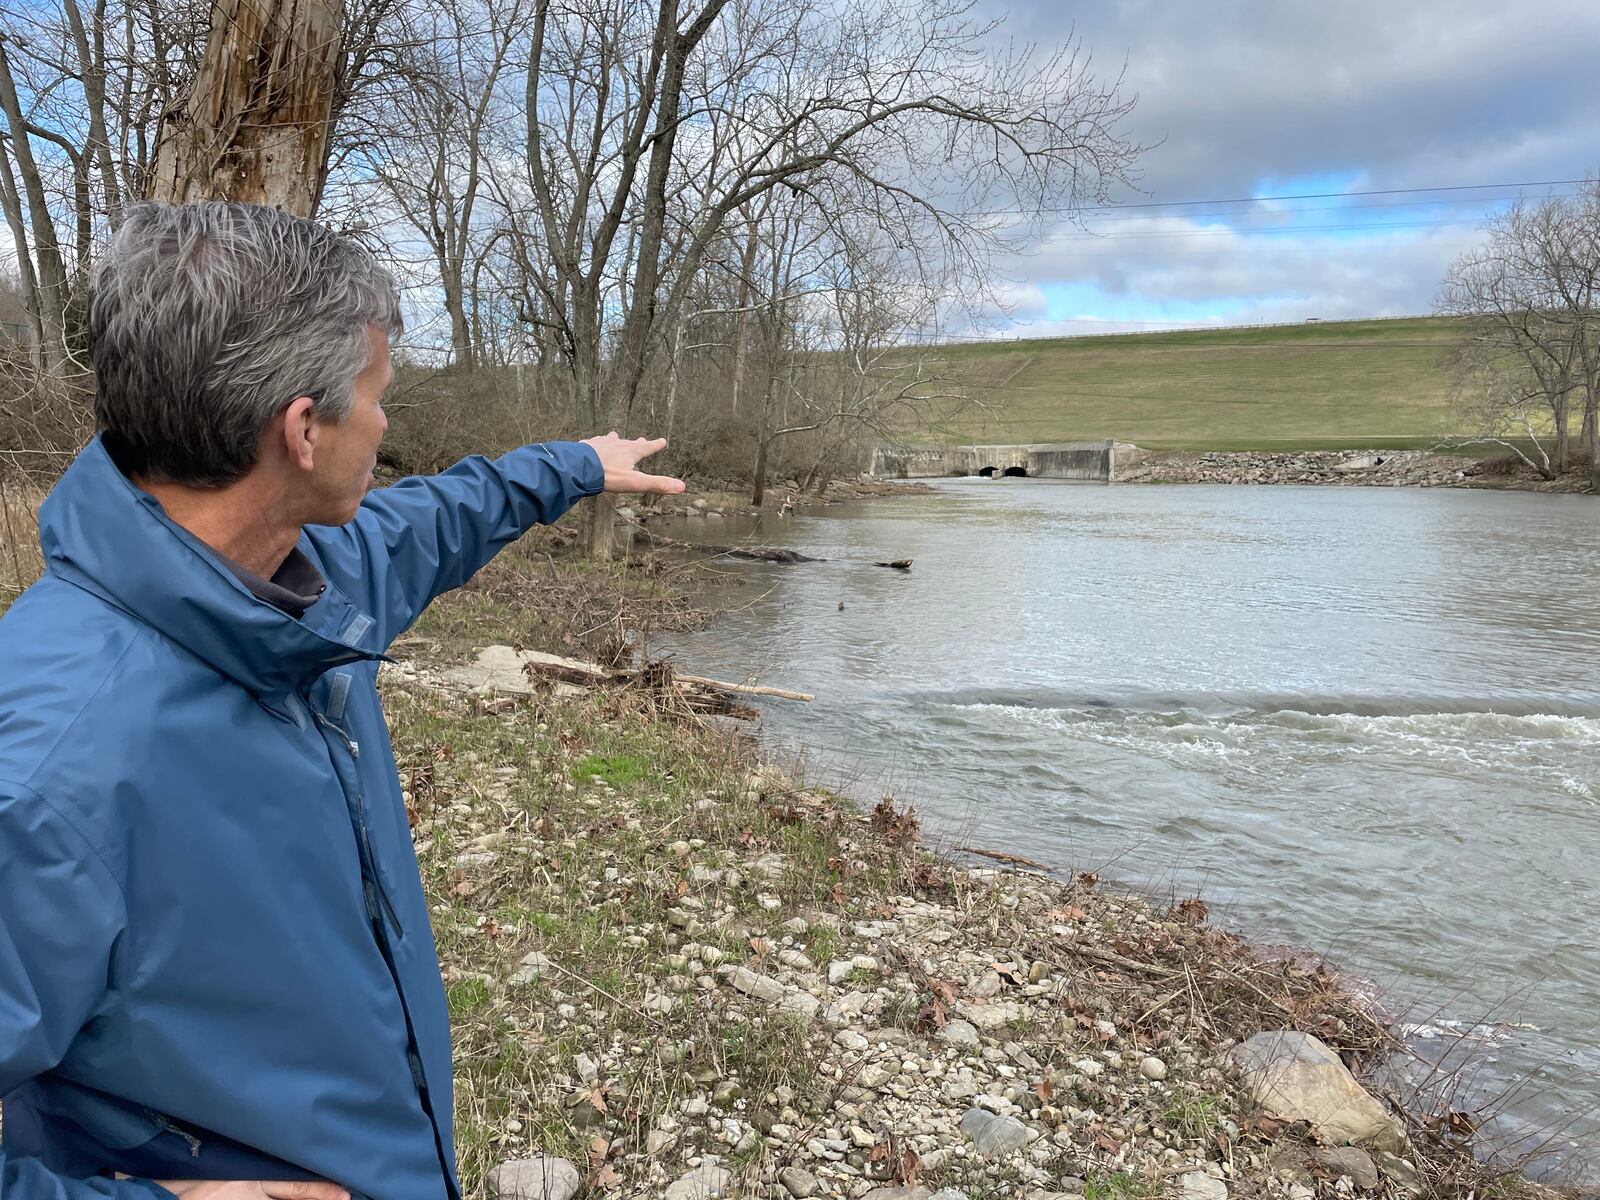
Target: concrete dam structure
x=1070, y=460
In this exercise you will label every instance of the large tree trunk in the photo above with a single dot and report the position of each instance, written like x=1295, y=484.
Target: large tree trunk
x=48, y=305
x=92, y=65
x=256, y=124
x=758, y=489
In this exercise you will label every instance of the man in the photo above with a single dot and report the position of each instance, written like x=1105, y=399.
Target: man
x=217, y=979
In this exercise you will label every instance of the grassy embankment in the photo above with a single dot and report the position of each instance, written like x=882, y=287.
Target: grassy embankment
x=1323, y=386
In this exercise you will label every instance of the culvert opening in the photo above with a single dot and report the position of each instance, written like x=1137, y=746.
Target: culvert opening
x=987, y=472
x=1017, y=472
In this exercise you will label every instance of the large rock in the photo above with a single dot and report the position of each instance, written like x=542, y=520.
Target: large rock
x=705, y=1182
x=539, y=1178
x=899, y=1193
x=959, y=1033
x=1296, y=1077
x=993, y=1135
x=1352, y=1161
x=502, y=669
x=1197, y=1185
x=761, y=987
x=798, y=1182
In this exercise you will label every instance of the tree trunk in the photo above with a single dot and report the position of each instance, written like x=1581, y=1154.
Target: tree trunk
x=256, y=124
x=599, y=525
x=1591, y=436
x=11, y=202
x=92, y=65
x=50, y=294
x=758, y=490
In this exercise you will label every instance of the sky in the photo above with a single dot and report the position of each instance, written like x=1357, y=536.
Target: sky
x=1253, y=98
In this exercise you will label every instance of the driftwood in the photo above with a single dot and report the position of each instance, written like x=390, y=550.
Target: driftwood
x=746, y=689
x=1014, y=860
x=753, y=553
x=514, y=672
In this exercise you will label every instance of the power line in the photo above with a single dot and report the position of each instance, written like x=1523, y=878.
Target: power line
x=1458, y=187
x=1334, y=208
x=1431, y=190
x=1256, y=232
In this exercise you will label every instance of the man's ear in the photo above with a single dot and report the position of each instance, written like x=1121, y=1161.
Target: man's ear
x=300, y=432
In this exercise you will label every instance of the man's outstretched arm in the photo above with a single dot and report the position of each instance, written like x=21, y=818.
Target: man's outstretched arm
x=429, y=534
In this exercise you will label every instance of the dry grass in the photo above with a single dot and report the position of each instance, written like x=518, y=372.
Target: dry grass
x=20, y=560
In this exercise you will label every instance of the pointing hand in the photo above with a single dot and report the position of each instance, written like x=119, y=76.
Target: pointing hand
x=621, y=457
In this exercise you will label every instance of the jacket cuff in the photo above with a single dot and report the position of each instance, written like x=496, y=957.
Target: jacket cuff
x=584, y=464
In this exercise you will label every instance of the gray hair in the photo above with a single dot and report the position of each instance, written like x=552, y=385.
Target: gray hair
x=206, y=320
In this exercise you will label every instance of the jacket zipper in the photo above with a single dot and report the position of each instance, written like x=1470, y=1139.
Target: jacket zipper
x=374, y=880
x=168, y=1125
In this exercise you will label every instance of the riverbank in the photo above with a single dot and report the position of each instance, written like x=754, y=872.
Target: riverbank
x=682, y=972
x=1342, y=468
x=716, y=502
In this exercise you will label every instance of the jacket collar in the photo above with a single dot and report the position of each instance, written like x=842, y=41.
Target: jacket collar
x=100, y=532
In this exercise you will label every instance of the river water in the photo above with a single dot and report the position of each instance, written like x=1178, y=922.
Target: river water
x=1365, y=722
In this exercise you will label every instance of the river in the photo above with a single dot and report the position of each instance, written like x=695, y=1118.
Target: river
x=1365, y=722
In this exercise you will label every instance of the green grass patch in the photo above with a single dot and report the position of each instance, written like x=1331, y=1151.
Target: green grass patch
x=618, y=770
x=1330, y=385
x=1192, y=1114
x=465, y=996
x=1117, y=1186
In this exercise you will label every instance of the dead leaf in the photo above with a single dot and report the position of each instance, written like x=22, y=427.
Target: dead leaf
x=1262, y=1126
x=1192, y=911
x=1045, y=1090
x=933, y=1015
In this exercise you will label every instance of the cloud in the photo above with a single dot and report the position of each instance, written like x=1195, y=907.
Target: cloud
x=1249, y=98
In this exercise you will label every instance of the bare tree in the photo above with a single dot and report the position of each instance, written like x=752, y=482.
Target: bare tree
x=894, y=105
x=1530, y=298
x=27, y=204
x=430, y=160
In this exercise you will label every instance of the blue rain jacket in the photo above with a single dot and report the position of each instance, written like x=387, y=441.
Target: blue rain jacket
x=215, y=957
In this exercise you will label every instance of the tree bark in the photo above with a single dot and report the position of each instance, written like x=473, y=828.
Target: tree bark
x=50, y=293
x=256, y=124
x=11, y=202
x=92, y=65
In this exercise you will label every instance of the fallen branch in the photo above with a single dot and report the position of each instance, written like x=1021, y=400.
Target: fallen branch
x=1014, y=860
x=746, y=689
x=1107, y=958
x=754, y=553
x=511, y=671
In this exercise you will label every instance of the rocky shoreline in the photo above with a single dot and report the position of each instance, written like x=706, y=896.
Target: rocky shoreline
x=1338, y=468
x=1345, y=468
x=714, y=981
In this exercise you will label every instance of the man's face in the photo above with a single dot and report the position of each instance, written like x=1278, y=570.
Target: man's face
x=347, y=451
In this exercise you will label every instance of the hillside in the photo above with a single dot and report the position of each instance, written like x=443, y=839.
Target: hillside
x=1316, y=386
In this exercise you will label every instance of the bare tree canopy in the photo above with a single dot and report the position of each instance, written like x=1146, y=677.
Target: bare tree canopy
x=730, y=216
x=1530, y=298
